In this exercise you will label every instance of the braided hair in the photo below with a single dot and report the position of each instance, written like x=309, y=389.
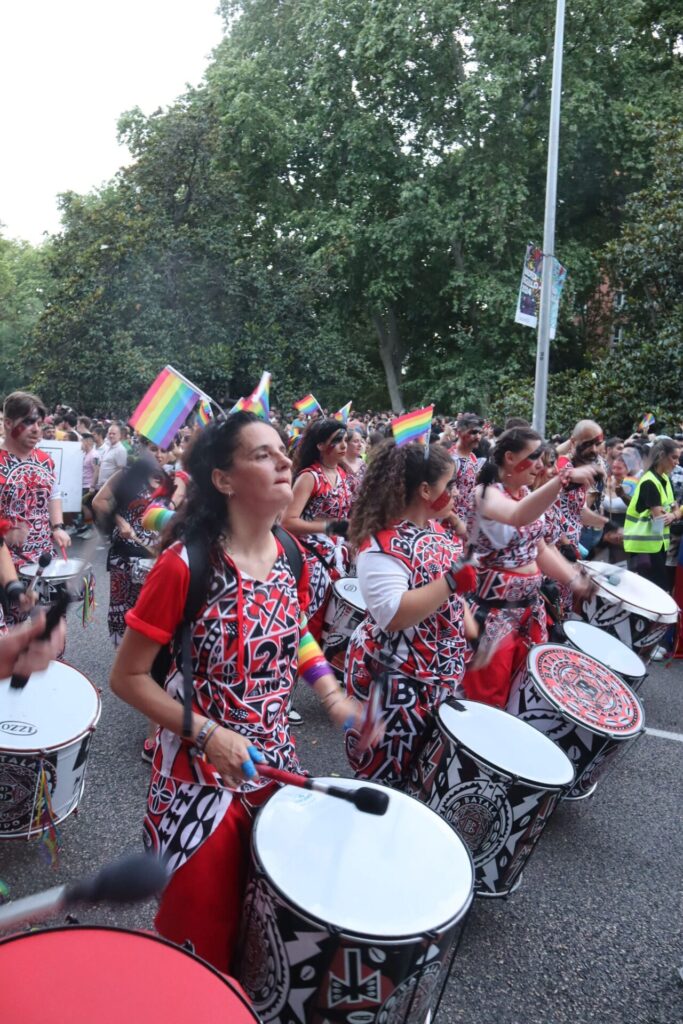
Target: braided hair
x=390, y=483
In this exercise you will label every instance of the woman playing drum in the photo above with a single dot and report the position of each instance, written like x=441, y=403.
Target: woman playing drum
x=410, y=652
x=248, y=642
x=507, y=528
x=319, y=511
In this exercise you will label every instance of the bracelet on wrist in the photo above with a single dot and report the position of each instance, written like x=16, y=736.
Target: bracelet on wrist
x=204, y=734
x=56, y=526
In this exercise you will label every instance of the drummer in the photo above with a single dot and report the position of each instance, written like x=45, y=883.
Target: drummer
x=29, y=497
x=410, y=651
x=507, y=528
x=13, y=596
x=249, y=642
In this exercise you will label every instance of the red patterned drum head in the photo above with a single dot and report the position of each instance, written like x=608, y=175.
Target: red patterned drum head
x=585, y=691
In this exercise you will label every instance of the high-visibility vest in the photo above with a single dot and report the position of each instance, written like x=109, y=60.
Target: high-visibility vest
x=639, y=534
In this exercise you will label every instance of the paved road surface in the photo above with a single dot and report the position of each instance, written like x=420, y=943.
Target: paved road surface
x=592, y=935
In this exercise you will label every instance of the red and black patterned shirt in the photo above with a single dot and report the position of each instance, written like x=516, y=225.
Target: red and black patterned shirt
x=27, y=485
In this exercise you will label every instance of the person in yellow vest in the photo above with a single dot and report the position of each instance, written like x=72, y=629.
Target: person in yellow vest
x=650, y=513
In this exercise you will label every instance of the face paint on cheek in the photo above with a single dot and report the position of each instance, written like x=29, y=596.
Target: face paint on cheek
x=441, y=502
x=522, y=466
x=18, y=430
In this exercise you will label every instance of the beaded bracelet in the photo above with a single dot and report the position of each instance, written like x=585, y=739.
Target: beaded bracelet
x=206, y=731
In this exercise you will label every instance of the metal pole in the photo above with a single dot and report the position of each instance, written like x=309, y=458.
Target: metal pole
x=543, y=337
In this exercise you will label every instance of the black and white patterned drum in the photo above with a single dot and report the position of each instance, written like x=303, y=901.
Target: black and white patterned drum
x=580, y=704
x=351, y=917
x=45, y=735
x=605, y=647
x=496, y=781
x=345, y=611
x=61, y=574
x=140, y=569
x=628, y=606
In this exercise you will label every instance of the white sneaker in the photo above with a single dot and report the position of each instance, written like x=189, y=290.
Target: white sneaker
x=294, y=717
x=659, y=654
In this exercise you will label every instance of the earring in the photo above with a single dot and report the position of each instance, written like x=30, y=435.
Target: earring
x=230, y=494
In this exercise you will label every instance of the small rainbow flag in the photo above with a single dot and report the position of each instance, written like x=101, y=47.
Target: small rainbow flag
x=204, y=414
x=343, y=414
x=413, y=426
x=258, y=401
x=646, y=422
x=165, y=407
x=307, y=405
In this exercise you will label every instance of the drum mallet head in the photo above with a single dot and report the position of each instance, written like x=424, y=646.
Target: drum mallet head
x=365, y=798
x=44, y=559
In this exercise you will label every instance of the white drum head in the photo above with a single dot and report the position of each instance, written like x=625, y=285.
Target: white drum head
x=585, y=691
x=54, y=708
x=395, y=876
x=347, y=590
x=508, y=743
x=58, y=569
x=633, y=591
x=604, y=647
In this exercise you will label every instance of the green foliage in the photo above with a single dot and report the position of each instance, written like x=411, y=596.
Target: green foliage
x=23, y=280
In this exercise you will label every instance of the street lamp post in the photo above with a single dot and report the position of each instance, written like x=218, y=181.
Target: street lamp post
x=543, y=336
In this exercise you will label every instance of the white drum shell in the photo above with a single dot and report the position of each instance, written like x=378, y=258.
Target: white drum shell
x=50, y=724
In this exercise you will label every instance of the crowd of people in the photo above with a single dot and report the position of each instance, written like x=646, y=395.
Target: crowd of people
x=463, y=549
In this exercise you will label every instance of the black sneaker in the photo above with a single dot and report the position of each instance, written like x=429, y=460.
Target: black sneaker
x=294, y=717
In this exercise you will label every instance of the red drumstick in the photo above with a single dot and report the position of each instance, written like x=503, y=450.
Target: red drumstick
x=371, y=801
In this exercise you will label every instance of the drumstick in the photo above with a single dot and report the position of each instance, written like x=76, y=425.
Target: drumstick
x=371, y=801
x=138, y=876
x=54, y=613
x=43, y=563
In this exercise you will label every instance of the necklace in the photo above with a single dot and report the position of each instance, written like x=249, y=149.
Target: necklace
x=332, y=480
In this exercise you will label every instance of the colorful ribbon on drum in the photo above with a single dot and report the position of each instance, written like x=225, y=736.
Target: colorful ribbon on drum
x=89, y=604
x=44, y=819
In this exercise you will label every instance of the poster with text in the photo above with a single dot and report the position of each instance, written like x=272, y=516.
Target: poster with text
x=68, y=459
x=529, y=298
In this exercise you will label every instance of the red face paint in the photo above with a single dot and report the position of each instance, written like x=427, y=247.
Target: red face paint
x=18, y=430
x=441, y=502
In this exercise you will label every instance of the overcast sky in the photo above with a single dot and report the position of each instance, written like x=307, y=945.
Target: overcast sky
x=68, y=69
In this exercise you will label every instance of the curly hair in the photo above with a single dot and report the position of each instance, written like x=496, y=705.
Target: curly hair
x=392, y=478
x=317, y=432
x=204, y=515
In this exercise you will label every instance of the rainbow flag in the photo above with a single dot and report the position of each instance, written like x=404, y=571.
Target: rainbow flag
x=646, y=422
x=258, y=401
x=307, y=405
x=343, y=414
x=165, y=407
x=204, y=414
x=413, y=426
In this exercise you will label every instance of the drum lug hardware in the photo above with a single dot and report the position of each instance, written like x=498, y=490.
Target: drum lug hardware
x=71, y=919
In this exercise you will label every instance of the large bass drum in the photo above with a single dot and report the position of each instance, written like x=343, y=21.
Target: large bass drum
x=580, y=704
x=107, y=975
x=496, y=781
x=331, y=931
x=45, y=735
x=628, y=606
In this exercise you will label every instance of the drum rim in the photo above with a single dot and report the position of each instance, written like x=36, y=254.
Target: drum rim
x=619, y=737
x=667, y=618
x=625, y=676
x=63, y=578
x=348, y=933
x=24, y=751
x=140, y=934
x=342, y=597
x=513, y=777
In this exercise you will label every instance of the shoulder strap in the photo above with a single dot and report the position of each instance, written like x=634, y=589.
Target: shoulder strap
x=197, y=559
x=292, y=551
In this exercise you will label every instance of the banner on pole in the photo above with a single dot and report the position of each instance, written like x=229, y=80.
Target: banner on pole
x=529, y=298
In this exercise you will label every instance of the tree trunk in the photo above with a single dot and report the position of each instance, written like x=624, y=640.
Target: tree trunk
x=390, y=352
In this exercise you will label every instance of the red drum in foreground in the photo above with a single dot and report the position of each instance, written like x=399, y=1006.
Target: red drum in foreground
x=351, y=917
x=580, y=704
x=117, y=977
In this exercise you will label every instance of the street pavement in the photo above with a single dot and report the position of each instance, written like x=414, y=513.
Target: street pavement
x=592, y=935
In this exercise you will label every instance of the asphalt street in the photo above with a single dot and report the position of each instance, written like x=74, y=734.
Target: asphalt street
x=592, y=935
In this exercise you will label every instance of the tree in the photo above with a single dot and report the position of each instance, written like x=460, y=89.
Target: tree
x=23, y=280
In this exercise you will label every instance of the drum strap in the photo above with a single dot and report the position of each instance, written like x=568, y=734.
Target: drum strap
x=197, y=557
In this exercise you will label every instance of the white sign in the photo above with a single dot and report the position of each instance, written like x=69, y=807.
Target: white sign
x=68, y=459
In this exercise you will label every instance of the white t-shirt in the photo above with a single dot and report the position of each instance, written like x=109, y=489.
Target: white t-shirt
x=112, y=459
x=383, y=580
